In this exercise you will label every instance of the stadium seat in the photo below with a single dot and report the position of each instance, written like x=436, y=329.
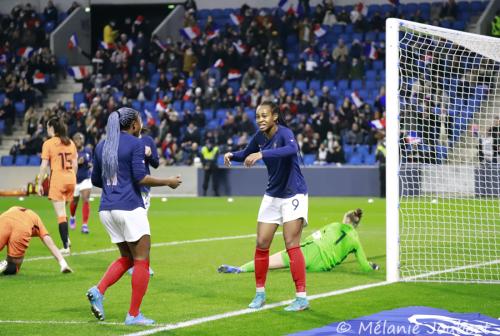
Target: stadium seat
x=477, y=7
x=378, y=65
x=343, y=84
x=177, y=105
x=458, y=25
x=288, y=86
x=309, y=159
x=62, y=62
x=371, y=36
x=301, y=85
x=355, y=159
x=209, y=114
x=315, y=85
x=369, y=159
x=21, y=160
x=7, y=160
x=338, y=29
x=2, y=126
x=137, y=105
x=356, y=84
x=49, y=27
x=78, y=98
x=221, y=113
x=348, y=151
x=150, y=106
x=189, y=105
x=20, y=108
x=34, y=160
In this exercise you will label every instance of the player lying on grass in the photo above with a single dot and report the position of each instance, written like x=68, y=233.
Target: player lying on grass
x=323, y=250
x=17, y=226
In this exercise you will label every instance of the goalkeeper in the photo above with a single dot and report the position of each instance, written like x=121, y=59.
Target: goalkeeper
x=323, y=250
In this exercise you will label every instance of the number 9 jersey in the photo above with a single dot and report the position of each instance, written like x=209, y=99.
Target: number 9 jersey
x=62, y=172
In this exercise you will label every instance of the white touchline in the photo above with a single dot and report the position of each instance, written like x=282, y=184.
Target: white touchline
x=250, y=311
x=56, y=322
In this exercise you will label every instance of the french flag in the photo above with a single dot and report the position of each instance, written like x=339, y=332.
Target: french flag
x=149, y=118
x=77, y=72
x=219, y=63
x=319, y=31
x=212, y=34
x=233, y=74
x=372, y=53
x=73, y=41
x=130, y=46
x=25, y=52
x=240, y=47
x=106, y=46
x=236, y=19
x=413, y=138
x=292, y=7
x=191, y=32
x=39, y=78
x=188, y=94
x=160, y=106
x=356, y=99
x=377, y=124
x=160, y=45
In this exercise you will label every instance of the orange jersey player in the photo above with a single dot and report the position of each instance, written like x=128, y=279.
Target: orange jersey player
x=17, y=226
x=60, y=152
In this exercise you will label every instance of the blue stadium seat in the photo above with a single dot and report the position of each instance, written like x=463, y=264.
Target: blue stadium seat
x=177, y=105
x=288, y=86
x=189, y=105
x=235, y=85
x=355, y=159
x=349, y=29
x=371, y=75
x=2, y=126
x=137, y=105
x=370, y=85
x=301, y=85
x=213, y=124
x=49, y=26
x=369, y=159
x=372, y=9
x=330, y=83
x=381, y=36
x=221, y=113
x=378, y=65
x=62, y=62
x=315, y=85
x=251, y=113
x=34, y=160
x=338, y=29
x=150, y=105
x=458, y=25
x=21, y=160
x=7, y=160
x=358, y=36
x=445, y=23
x=363, y=150
x=343, y=84
x=356, y=84
x=309, y=159
x=348, y=151
x=371, y=36
x=477, y=6
x=209, y=114
x=78, y=98
x=20, y=108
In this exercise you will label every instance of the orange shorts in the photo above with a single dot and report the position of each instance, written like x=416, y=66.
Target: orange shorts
x=61, y=192
x=17, y=241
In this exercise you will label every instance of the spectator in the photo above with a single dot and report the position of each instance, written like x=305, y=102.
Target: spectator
x=8, y=114
x=355, y=136
x=357, y=70
x=329, y=19
x=449, y=10
x=252, y=79
x=495, y=25
x=339, y=56
x=305, y=33
x=50, y=12
x=109, y=33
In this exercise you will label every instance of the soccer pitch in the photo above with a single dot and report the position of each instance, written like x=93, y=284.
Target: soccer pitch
x=191, y=237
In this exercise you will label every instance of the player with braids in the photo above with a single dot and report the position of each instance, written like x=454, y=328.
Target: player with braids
x=285, y=201
x=323, y=250
x=60, y=152
x=120, y=172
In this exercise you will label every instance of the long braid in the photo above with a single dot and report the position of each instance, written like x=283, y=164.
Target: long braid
x=118, y=120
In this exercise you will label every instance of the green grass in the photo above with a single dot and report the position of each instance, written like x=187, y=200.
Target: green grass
x=186, y=285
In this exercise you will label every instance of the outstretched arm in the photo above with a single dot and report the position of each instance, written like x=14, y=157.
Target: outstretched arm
x=47, y=240
x=252, y=147
x=366, y=266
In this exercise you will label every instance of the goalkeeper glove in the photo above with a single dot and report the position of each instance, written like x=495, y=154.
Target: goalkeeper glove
x=374, y=266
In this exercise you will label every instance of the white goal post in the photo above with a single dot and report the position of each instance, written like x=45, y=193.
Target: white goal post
x=443, y=159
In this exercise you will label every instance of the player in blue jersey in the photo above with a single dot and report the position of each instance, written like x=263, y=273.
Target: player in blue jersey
x=118, y=168
x=285, y=202
x=83, y=183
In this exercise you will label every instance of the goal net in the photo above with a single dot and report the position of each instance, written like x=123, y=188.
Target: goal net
x=443, y=165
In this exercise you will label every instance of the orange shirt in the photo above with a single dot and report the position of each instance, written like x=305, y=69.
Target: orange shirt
x=17, y=226
x=60, y=157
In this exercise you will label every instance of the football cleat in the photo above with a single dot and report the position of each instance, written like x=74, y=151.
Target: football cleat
x=299, y=304
x=95, y=298
x=85, y=229
x=258, y=301
x=228, y=269
x=72, y=223
x=138, y=320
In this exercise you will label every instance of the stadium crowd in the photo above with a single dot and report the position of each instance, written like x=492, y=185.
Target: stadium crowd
x=207, y=86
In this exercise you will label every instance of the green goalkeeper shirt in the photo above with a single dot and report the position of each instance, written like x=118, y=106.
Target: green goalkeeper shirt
x=336, y=241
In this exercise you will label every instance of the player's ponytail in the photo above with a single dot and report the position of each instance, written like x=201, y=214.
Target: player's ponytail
x=118, y=120
x=60, y=130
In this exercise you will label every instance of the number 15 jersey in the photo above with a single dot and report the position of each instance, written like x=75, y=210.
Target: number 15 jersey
x=61, y=158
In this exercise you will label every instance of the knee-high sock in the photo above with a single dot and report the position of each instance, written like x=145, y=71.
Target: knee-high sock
x=72, y=208
x=85, y=212
x=115, y=271
x=261, y=261
x=140, y=281
x=297, y=268
x=63, y=230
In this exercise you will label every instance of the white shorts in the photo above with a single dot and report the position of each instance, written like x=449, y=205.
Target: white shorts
x=146, y=198
x=125, y=226
x=282, y=210
x=84, y=185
